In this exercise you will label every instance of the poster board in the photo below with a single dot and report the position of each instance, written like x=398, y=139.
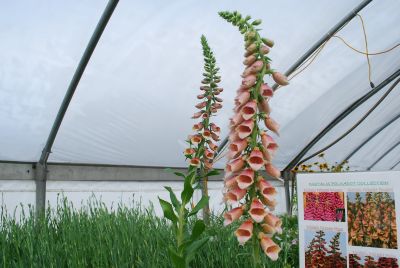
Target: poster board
x=349, y=219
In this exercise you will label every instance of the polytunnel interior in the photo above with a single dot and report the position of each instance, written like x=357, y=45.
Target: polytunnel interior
x=133, y=104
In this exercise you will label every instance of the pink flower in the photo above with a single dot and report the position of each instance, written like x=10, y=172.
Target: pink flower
x=264, y=107
x=266, y=91
x=269, y=247
x=242, y=98
x=197, y=115
x=272, y=171
x=257, y=211
x=274, y=221
x=264, y=50
x=245, y=178
x=236, y=119
x=234, y=136
x=235, y=194
x=195, y=139
x=256, y=160
x=189, y=151
x=249, y=81
x=212, y=146
x=280, y=79
x=209, y=154
x=272, y=125
x=232, y=215
x=269, y=143
x=249, y=60
x=236, y=147
x=201, y=105
x=195, y=162
x=198, y=126
x=267, y=190
x=235, y=165
x=245, y=128
x=244, y=232
x=249, y=110
x=230, y=182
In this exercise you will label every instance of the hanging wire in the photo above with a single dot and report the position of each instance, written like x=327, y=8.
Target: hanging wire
x=354, y=126
x=366, y=50
x=313, y=56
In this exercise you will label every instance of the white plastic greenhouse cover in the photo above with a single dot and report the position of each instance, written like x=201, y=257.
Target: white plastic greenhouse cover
x=135, y=99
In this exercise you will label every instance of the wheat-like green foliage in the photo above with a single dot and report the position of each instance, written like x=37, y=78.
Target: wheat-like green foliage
x=95, y=236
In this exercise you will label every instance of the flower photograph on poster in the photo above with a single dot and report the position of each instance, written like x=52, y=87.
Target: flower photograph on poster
x=325, y=249
x=366, y=261
x=324, y=206
x=372, y=219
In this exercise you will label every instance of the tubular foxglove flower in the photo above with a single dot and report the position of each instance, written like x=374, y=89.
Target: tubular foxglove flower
x=257, y=211
x=200, y=154
x=256, y=153
x=232, y=215
x=249, y=110
x=269, y=247
x=245, y=178
x=280, y=79
x=235, y=195
x=256, y=159
x=244, y=232
x=245, y=128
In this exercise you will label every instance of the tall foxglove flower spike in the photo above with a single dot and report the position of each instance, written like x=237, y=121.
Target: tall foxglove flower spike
x=251, y=146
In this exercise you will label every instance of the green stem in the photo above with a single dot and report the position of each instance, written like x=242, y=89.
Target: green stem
x=181, y=227
x=256, y=252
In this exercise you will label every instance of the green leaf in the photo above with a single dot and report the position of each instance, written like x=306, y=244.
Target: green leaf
x=198, y=229
x=168, y=210
x=212, y=173
x=201, y=204
x=178, y=261
x=179, y=174
x=188, y=190
x=194, y=247
x=173, y=198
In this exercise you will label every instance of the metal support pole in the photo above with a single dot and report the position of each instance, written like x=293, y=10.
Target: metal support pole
x=350, y=155
x=340, y=117
x=286, y=178
x=40, y=181
x=40, y=177
x=383, y=155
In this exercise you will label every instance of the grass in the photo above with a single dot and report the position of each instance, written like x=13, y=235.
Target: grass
x=95, y=236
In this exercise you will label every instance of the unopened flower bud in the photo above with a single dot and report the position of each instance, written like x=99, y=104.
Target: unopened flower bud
x=264, y=50
x=280, y=79
x=268, y=42
x=249, y=60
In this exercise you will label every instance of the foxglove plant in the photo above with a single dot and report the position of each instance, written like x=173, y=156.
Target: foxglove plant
x=251, y=148
x=200, y=154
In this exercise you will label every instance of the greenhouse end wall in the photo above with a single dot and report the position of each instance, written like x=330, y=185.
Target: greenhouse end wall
x=111, y=185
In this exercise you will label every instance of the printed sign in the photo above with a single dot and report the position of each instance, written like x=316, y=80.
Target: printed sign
x=349, y=219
